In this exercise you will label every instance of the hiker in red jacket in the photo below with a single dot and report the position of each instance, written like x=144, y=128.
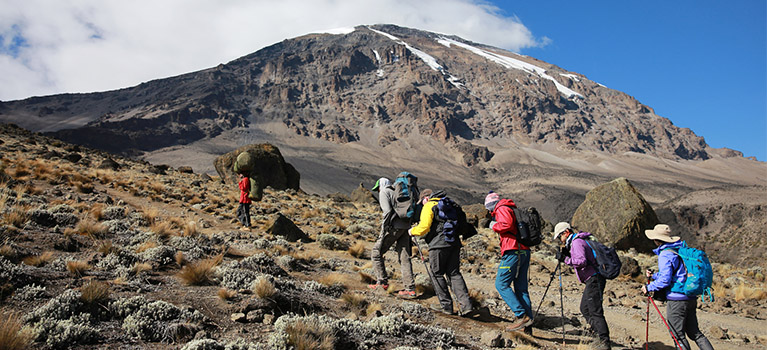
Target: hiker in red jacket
x=243, y=211
x=511, y=279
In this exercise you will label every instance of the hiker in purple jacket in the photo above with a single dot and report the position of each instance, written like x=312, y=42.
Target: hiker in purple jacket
x=680, y=309
x=578, y=254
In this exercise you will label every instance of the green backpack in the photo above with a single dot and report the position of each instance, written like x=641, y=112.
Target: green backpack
x=244, y=163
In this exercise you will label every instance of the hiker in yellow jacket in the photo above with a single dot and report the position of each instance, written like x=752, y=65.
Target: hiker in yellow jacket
x=444, y=258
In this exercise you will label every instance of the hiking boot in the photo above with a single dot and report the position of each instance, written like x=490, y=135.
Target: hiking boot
x=383, y=286
x=407, y=294
x=469, y=312
x=438, y=307
x=519, y=323
x=601, y=345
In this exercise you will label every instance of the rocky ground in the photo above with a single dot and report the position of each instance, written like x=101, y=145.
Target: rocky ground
x=104, y=252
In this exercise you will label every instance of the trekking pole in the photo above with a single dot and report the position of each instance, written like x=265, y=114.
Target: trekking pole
x=667, y=326
x=647, y=320
x=425, y=265
x=561, y=299
x=553, y=274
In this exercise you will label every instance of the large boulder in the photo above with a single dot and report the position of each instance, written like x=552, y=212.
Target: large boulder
x=270, y=168
x=477, y=214
x=618, y=215
x=363, y=195
x=279, y=225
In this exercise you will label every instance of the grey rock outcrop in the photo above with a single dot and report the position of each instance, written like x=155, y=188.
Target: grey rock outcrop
x=270, y=170
x=618, y=215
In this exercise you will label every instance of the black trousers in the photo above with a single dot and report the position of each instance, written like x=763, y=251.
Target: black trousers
x=445, y=266
x=591, y=306
x=243, y=214
x=684, y=321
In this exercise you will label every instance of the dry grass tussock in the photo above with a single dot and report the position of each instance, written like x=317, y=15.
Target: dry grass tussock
x=226, y=294
x=146, y=246
x=139, y=267
x=335, y=278
x=199, y=273
x=180, y=258
x=39, y=260
x=357, y=250
x=191, y=229
x=97, y=211
x=92, y=229
x=78, y=268
x=151, y=214
x=162, y=229
x=744, y=292
x=354, y=300
x=373, y=308
x=95, y=293
x=105, y=247
x=8, y=252
x=17, y=217
x=263, y=288
x=303, y=335
x=12, y=337
x=366, y=278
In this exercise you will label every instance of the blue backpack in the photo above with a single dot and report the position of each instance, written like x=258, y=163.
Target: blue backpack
x=405, y=195
x=700, y=275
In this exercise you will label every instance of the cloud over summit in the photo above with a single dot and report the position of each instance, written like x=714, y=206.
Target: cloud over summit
x=49, y=47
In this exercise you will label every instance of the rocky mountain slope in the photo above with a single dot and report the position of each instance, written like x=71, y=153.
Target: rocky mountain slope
x=349, y=108
x=99, y=251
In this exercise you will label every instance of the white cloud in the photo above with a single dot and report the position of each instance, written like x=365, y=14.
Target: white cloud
x=96, y=45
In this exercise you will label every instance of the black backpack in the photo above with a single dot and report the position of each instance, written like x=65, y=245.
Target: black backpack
x=608, y=262
x=453, y=220
x=529, y=226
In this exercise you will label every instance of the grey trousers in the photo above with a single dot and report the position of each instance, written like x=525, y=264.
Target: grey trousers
x=446, y=262
x=683, y=320
x=386, y=239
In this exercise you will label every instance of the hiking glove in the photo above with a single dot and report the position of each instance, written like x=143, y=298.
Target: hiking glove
x=492, y=223
x=562, y=254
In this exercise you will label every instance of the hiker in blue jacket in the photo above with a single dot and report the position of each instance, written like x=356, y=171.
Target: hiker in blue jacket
x=680, y=308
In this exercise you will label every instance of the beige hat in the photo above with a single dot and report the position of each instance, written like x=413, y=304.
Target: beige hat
x=661, y=232
x=559, y=228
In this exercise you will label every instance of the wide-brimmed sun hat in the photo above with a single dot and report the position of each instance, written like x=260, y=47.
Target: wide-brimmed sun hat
x=559, y=228
x=661, y=232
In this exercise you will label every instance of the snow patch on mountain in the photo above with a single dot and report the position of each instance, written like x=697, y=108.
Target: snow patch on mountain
x=509, y=62
x=428, y=59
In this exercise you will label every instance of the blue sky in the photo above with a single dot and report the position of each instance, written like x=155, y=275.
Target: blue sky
x=701, y=64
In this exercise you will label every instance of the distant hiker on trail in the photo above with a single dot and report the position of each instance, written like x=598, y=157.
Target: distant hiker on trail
x=393, y=230
x=578, y=254
x=444, y=256
x=680, y=308
x=243, y=211
x=514, y=264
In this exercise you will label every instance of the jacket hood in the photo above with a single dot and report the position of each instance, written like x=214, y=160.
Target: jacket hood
x=674, y=245
x=503, y=202
x=583, y=235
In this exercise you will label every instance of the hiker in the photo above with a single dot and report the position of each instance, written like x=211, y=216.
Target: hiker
x=393, y=230
x=444, y=259
x=243, y=211
x=680, y=308
x=578, y=254
x=511, y=278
